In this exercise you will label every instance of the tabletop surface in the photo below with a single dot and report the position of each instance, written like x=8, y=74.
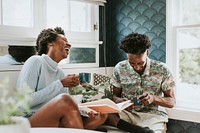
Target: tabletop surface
x=60, y=130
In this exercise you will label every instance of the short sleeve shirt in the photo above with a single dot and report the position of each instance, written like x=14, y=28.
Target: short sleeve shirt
x=155, y=79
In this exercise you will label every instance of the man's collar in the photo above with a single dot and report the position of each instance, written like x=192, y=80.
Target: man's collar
x=147, y=68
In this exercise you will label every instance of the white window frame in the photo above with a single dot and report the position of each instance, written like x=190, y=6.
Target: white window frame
x=180, y=111
x=85, y=40
x=21, y=35
x=27, y=36
x=84, y=36
x=15, y=34
x=77, y=44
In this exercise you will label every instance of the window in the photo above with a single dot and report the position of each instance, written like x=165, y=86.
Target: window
x=183, y=53
x=78, y=19
x=22, y=20
x=18, y=13
x=87, y=56
x=65, y=14
x=19, y=23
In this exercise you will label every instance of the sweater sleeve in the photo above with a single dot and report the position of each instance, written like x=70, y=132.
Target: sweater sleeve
x=47, y=93
x=30, y=74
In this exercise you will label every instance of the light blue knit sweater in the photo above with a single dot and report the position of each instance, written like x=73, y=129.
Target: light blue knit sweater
x=43, y=76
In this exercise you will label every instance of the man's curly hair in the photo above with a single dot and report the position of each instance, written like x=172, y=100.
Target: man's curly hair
x=47, y=36
x=135, y=43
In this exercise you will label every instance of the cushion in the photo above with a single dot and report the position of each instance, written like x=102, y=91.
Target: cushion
x=99, y=78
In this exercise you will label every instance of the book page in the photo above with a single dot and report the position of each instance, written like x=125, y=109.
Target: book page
x=106, y=105
x=104, y=108
x=124, y=105
x=99, y=102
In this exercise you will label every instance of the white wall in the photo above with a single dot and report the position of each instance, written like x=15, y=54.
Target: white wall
x=13, y=72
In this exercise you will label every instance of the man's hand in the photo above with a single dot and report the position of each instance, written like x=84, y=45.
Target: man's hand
x=117, y=97
x=146, y=99
x=119, y=100
x=71, y=80
x=91, y=114
x=97, y=115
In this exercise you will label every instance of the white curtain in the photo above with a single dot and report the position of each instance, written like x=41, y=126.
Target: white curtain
x=98, y=2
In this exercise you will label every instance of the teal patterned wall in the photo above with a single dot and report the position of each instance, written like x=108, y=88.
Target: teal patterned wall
x=141, y=16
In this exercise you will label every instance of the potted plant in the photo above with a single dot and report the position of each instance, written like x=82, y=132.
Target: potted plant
x=12, y=103
x=88, y=92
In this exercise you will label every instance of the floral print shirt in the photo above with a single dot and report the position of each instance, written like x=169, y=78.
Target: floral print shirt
x=155, y=79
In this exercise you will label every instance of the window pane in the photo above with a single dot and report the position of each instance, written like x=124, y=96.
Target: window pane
x=190, y=12
x=80, y=55
x=58, y=13
x=18, y=13
x=189, y=64
x=81, y=18
x=72, y=16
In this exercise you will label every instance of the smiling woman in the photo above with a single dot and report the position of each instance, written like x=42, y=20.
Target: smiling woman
x=50, y=85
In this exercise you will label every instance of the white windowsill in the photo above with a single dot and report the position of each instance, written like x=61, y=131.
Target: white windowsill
x=8, y=68
x=184, y=114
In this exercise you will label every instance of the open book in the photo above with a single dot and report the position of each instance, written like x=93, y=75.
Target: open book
x=103, y=106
